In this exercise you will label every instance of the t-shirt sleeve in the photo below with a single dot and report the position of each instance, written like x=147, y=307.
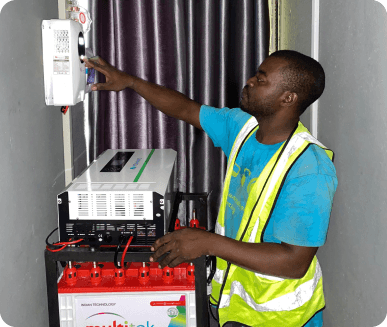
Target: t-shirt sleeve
x=222, y=125
x=301, y=215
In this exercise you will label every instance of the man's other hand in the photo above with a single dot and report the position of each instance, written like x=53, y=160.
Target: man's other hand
x=183, y=245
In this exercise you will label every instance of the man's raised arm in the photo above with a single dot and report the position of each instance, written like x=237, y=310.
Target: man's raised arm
x=170, y=102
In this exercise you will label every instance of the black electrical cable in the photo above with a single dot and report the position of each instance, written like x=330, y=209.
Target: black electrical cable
x=120, y=243
x=115, y=257
x=116, y=254
x=212, y=262
x=59, y=246
x=212, y=314
x=53, y=244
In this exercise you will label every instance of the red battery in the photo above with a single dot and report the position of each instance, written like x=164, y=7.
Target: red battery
x=123, y=298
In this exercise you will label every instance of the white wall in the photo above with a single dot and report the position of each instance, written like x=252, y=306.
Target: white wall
x=31, y=163
x=353, y=122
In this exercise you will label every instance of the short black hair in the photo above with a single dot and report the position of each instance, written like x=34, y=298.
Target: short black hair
x=302, y=75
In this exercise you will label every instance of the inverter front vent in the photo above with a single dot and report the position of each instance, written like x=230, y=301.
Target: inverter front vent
x=101, y=205
x=138, y=205
x=119, y=204
x=83, y=204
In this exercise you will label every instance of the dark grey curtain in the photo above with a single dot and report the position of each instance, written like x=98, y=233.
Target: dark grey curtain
x=206, y=49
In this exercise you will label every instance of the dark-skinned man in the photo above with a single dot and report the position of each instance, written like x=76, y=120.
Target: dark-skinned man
x=277, y=195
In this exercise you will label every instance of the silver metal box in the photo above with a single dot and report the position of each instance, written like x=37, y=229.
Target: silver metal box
x=122, y=193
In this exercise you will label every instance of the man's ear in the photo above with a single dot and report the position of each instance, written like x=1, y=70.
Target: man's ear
x=289, y=98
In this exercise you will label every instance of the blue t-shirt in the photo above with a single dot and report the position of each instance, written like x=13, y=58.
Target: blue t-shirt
x=301, y=214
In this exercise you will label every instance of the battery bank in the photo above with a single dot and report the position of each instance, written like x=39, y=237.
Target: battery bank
x=139, y=295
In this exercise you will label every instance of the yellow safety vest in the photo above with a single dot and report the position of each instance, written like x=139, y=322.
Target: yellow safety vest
x=246, y=296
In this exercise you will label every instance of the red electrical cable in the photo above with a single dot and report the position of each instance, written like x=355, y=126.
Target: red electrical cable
x=56, y=250
x=65, y=244
x=126, y=249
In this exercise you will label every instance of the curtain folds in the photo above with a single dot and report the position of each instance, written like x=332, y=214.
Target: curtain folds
x=206, y=49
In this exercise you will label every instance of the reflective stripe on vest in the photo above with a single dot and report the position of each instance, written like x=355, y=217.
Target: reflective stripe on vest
x=246, y=129
x=219, y=229
x=286, y=302
x=251, y=289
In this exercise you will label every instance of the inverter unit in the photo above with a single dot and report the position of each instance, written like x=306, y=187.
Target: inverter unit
x=122, y=193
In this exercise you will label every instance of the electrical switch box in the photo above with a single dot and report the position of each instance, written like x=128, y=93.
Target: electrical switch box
x=63, y=65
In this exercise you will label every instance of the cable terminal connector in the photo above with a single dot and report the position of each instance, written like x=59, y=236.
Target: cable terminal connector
x=194, y=222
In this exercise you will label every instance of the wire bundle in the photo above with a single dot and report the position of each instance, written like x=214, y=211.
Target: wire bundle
x=59, y=246
x=123, y=254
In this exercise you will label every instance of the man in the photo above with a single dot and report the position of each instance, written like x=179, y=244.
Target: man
x=277, y=196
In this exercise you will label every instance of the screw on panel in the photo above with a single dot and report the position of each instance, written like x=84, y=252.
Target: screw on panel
x=59, y=201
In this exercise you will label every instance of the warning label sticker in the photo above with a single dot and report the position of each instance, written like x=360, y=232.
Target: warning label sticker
x=61, y=65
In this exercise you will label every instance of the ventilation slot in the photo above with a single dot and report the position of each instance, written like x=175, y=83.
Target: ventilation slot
x=119, y=205
x=83, y=205
x=129, y=199
x=101, y=204
x=138, y=205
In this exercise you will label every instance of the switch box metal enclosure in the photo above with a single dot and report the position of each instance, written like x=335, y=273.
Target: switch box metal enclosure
x=63, y=66
x=122, y=193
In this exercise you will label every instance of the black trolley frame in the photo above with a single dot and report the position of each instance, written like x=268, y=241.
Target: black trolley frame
x=88, y=254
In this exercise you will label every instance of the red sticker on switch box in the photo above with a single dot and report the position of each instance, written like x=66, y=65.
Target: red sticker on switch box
x=82, y=18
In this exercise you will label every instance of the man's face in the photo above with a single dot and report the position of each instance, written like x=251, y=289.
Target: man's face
x=261, y=95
